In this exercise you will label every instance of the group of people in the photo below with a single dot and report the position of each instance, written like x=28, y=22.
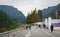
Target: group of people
x=28, y=27
x=44, y=26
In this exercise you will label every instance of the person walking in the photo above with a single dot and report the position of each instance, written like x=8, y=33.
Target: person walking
x=26, y=27
x=51, y=27
x=30, y=27
x=39, y=26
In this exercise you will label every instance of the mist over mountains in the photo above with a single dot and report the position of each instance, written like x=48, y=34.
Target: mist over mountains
x=13, y=13
x=51, y=11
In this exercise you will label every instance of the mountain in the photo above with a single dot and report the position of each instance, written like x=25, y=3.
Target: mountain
x=6, y=23
x=13, y=13
x=50, y=11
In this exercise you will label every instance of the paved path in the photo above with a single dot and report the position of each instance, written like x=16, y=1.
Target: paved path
x=37, y=32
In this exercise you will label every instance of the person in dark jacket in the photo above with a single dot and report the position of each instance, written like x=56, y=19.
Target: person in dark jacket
x=26, y=27
x=30, y=27
x=44, y=26
x=39, y=26
x=51, y=27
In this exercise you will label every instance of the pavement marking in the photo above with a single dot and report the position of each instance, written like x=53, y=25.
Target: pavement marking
x=49, y=34
x=28, y=34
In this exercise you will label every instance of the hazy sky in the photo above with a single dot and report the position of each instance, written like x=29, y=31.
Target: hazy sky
x=27, y=5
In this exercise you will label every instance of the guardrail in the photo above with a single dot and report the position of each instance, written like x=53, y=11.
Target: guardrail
x=11, y=33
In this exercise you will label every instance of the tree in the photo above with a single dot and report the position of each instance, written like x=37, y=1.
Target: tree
x=5, y=22
x=33, y=17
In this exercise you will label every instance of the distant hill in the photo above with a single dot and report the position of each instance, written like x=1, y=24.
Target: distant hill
x=13, y=13
x=50, y=11
x=6, y=23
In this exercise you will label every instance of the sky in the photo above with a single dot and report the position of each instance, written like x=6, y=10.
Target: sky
x=27, y=6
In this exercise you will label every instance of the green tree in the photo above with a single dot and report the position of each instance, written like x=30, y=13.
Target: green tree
x=5, y=22
x=33, y=17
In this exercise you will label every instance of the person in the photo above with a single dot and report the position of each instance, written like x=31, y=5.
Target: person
x=51, y=27
x=26, y=26
x=30, y=27
x=44, y=26
x=39, y=26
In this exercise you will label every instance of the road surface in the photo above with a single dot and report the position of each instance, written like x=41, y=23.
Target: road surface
x=37, y=32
